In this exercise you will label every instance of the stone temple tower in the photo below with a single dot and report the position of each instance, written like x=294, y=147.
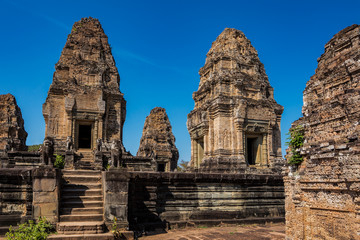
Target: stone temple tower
x=158, y=141
x=84, y=100
x=235, y=124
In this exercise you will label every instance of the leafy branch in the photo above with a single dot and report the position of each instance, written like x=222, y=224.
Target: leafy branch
x=296, y=141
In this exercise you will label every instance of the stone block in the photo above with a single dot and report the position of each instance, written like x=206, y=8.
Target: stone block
x=45, y=210
x=117, y=198
x=44, y=185
x=45, y=197
x=118, y=211
x=116, y=186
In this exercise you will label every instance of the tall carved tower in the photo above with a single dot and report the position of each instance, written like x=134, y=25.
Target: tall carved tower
x=84, y=100
x=236, y=121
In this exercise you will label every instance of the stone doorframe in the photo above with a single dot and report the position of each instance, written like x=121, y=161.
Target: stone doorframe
x=76, y=133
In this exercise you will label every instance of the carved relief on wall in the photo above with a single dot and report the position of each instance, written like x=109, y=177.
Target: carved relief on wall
x=225, y=139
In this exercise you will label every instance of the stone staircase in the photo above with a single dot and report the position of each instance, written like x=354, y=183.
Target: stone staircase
x=81, y=206
x=85, y=160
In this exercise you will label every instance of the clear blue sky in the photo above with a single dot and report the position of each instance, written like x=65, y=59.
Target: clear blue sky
x=159, y=47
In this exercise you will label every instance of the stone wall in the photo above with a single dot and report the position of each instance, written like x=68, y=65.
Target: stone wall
x=178, y=199
x=323, y=195
x=16, y=197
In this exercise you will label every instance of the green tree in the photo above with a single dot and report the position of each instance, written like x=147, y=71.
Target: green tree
x=59, y=161
x=295, y=142
x=182, y=166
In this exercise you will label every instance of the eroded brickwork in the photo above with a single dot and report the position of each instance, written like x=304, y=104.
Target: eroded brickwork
x=84, y=100
x=158, y=141
x=323, y=195
x=236, y=121
x=12, y=131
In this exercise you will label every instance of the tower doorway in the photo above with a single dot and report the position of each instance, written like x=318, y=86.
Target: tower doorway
x=84, y=139
x=253, y=150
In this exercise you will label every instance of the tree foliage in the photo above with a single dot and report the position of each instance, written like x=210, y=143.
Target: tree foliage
x=182, y=166
x=296, y=141
x=31, y=230
x=34, y=148
x=59, y=161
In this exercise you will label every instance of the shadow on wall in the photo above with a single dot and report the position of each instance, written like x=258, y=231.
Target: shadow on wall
x=152, y=205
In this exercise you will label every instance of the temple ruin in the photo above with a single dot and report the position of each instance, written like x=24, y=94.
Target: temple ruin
x=12, y=131
x=236, y=121
x=322, y=194
x=158, y=141
x=84, y=100
x=235, y=127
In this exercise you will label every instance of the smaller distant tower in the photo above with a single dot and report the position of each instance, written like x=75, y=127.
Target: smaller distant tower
x=158, y=141
x=12, y=132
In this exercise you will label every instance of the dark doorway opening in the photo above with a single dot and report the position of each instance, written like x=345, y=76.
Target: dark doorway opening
x=161, y=167
x=84, y=136
x=252, y=147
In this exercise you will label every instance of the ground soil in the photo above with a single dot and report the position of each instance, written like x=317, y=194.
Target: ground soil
x=233, y=232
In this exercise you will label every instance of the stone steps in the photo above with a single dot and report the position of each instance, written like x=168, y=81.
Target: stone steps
x=81, y=179
x=77, y=227
x=81, y=187
x=72, y=198
x=104, y=236
x=83, y=217
x=81, y=206
x=85, y=160
x=89, y=210
x=81, y=172
x=82, y=191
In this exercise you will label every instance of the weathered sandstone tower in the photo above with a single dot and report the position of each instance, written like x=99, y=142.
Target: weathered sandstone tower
x=236, y=121
x=12, y=131
x=84, y=100
x=323, y=195
x=158, y=141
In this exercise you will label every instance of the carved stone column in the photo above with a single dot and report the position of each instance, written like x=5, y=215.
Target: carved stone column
x=264, y=157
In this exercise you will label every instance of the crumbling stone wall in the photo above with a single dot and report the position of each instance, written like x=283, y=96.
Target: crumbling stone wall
x=158, y=141
x=85, y=90
x=12, y=131
x=236, y=121
x=16, y=197
x=323, y=195
x=160, y=200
